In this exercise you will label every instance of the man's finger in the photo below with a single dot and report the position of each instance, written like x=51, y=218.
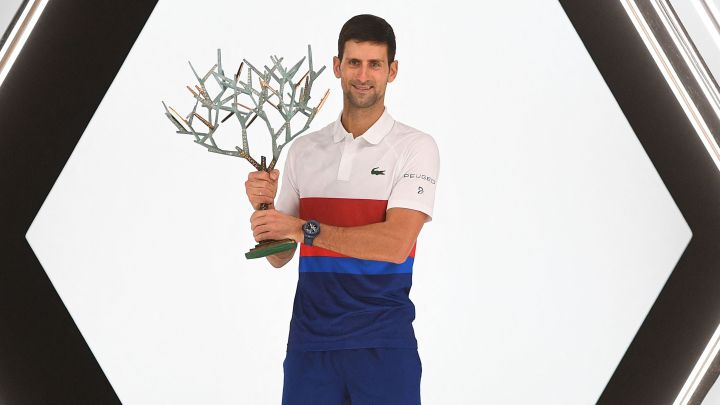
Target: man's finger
x=265, y=187
x=258, y=192
x=259, y=183
x=259, y=175
x=255, y=225
x=257, y=201
x=260, y=230
x=258, y=215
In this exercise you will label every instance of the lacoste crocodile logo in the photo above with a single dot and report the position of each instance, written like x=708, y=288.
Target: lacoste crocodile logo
x=377, y=172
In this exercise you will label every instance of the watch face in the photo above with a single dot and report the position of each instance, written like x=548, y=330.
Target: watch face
x=311, y=228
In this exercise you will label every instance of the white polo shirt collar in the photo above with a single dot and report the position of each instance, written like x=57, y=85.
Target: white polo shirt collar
x=373, y=135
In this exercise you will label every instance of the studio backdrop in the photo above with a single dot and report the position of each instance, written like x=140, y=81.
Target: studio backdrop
x=552, y=235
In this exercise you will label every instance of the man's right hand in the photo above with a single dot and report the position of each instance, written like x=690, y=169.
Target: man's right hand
x=261, y=187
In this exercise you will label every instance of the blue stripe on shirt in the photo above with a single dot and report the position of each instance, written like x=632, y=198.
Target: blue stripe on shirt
x=351, y=265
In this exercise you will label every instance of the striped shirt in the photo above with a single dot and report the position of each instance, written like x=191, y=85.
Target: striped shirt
x=344, y=302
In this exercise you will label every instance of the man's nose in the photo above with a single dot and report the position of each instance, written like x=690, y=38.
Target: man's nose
x=363, y=73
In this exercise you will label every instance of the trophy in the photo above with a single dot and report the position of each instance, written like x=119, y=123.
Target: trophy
x=272, y=90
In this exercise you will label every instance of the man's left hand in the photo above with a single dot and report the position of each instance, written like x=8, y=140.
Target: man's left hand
x=273, y=224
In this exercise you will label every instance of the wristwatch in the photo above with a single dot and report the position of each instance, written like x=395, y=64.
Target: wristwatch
x=311, y=229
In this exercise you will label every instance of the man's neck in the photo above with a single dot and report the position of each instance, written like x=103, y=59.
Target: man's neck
x=358, y=120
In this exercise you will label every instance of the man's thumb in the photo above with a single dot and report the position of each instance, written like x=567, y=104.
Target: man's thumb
x=274, y=174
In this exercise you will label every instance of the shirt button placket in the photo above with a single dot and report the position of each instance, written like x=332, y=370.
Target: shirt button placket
x=346, y=159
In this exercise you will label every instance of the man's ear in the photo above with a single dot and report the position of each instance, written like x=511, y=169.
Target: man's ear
x=393, y=71
x=336, y=66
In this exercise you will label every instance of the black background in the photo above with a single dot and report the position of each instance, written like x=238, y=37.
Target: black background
x=46, y=101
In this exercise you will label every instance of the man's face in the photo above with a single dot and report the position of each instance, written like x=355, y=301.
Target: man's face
x=364, y=72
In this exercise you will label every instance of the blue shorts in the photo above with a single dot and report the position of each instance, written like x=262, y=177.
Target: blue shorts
x=377, y=376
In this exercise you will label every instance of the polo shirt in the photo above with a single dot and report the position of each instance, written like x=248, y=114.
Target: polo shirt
x=343, y=302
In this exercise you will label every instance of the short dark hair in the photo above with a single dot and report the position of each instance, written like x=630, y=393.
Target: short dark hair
x=367, y=27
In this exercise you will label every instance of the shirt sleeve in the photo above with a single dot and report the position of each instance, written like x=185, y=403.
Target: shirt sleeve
x=288, y=199
x=416, y=180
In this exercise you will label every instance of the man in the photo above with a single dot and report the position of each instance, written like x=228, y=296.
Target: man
x=356, y=193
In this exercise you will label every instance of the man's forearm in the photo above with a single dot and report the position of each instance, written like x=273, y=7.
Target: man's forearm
x=378, y=241
x=390, y=240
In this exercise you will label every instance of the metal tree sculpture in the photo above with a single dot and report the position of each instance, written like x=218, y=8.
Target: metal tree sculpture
x=276, y=87
x=296, y=102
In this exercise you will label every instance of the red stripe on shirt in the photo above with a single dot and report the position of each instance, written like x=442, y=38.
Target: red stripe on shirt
x=341, y=212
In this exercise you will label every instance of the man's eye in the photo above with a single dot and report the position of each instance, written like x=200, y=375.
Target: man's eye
x=376, y=64
x=353, y=62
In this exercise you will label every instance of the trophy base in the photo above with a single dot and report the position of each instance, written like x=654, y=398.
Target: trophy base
x=270, y=247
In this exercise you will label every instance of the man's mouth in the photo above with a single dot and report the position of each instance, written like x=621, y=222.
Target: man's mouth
x=362, y=88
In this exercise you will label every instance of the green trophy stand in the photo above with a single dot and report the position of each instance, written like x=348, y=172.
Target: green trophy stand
x=270, y=247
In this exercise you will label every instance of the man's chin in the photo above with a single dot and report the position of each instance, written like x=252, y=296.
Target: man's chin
x=362, y=103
